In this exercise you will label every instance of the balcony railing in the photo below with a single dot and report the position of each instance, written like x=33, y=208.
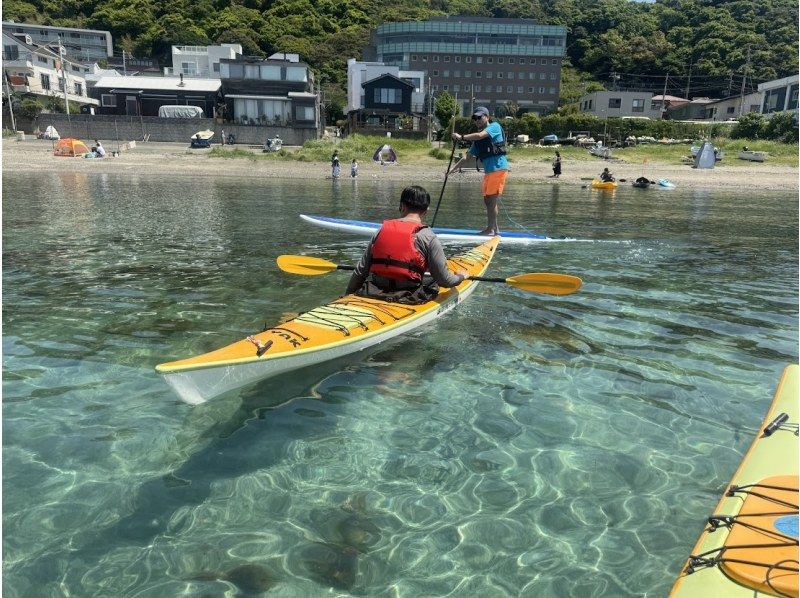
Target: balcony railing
x=171, y=71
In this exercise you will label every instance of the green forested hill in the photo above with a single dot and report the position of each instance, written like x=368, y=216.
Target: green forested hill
x=702, y=44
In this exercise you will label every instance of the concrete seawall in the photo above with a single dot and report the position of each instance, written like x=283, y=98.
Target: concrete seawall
x=134, y=128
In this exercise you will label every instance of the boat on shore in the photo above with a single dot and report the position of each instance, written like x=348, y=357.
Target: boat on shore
x=753, y=156
x=333, y=330
x=749, y=545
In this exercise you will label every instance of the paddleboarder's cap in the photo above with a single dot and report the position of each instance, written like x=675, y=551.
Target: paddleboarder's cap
x=480, y=111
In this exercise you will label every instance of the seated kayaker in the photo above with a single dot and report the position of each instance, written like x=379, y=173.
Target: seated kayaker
x=394, y=266
x=606, y=176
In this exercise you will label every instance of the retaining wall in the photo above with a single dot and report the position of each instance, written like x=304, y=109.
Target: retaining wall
x=133, y=128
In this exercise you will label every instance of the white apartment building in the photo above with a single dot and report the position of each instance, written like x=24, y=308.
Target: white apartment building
x=359, y=73
x=779, y=95
x=605, y=104
x=38, y=71
x=200, y=62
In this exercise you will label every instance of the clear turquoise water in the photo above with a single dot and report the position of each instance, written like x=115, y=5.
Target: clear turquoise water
x=524, y=445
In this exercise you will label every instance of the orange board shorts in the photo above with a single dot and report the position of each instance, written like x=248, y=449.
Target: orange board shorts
x=494, y=182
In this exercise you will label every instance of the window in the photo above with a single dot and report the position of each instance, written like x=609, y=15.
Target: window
x=500, y=60
x=456, y=73
x=544, y=61
x=591, y=104
x=522, y=61
x=530, y=90
x=488, y=74
x=78, y=89
x=754, y=107
x=554, y=61
x=189, y=68
x=489, y=88
x=531, y=75
x=468, y=59
x=42, y=59
x=456, y=88
x=520, y=89
x=499, y=75
x=731, y=109
x=108, y=100
x=542, y=76
x=436, y=58
x=435, y=73
x=447, y=59
x=479, y=59
x=478, y=74
x=490, y=60
x=61, y=83
x=304, y=113
x=614, y=102
x=638, y=106
x=45, y=79
x=10, y=52
x=387, y=95
x=445, y=87
x=552, y=90
x=541, y=90
x=251, y=71
x=435, y=88
x=457, y=58
x=445, y=73
x=510, y=75
x=468, y=74
x=237, y=71
x=215, y=67
x=424, y=58
x=509, y=89
x=510, y=61
x=553, y=76
x=414, y=57
x=476, y=88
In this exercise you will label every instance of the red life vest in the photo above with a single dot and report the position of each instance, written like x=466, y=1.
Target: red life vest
x=394, y=254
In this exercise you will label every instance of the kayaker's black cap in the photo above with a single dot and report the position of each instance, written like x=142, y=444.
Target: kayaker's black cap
x=480, y=111
x=416, y=198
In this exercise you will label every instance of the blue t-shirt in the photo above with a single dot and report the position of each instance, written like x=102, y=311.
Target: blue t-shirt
x=492, y=163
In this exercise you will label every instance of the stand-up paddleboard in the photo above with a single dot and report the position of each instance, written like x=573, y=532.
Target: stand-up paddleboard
x=360, y=227
x=333, y=330
x=750, y=543
x=666, y=183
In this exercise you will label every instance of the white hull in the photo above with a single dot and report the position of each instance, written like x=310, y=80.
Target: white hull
x=195, y=386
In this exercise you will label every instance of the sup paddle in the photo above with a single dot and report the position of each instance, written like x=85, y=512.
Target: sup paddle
x=446, y=174
x=534, y=282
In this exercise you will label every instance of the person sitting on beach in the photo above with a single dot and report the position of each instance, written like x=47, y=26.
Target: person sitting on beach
x=99, y=150
x=394, y=264
x=606, y=176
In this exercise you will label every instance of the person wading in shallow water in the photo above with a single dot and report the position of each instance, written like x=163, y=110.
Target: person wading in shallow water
x=489, y=146
x=393, y=267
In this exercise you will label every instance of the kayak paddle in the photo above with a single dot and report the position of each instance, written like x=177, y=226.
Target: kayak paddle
x=534, y=282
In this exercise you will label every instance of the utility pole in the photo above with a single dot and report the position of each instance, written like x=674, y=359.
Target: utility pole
x=744, y=80
x=664, y=98
x=124, y=67
x=730, y=83
x=688, y=80
x=10, y=103
x=430, y=111
x=61, y=52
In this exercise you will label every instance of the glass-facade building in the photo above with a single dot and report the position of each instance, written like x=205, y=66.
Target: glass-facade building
x=480, y=61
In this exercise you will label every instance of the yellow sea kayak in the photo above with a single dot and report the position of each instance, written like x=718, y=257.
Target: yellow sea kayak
x=333, y=330
x=749, y=547
x=598, y=184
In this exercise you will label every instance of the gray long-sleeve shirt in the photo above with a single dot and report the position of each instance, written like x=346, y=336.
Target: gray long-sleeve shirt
x=428, y=245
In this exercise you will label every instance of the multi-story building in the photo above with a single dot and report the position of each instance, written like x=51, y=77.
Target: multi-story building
x=143, y=96
x=779, y=95
x=733, y=106
x=85, y=46
x=480, y=61
x=277, y=91
x=359, y=73
x=36, y=71
x=200, y=61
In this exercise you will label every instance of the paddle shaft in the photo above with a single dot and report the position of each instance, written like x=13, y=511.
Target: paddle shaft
x=446, y=175
x=478, y=278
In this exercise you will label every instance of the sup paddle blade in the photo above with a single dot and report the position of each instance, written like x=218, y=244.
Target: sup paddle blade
x=305, y=265
x=546, y=282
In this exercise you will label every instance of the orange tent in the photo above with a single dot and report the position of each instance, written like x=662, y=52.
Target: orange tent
x=70, y=147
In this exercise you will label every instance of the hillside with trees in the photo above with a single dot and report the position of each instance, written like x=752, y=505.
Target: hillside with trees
x=707, y=47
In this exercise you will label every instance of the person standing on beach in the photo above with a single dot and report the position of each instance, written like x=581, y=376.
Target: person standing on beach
x=557, y=166
x=489, y=146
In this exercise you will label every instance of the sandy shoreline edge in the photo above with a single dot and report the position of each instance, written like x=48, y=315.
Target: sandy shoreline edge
x=176, y=160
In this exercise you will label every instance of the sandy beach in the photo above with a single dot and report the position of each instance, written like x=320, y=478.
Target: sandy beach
x=177, y=160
